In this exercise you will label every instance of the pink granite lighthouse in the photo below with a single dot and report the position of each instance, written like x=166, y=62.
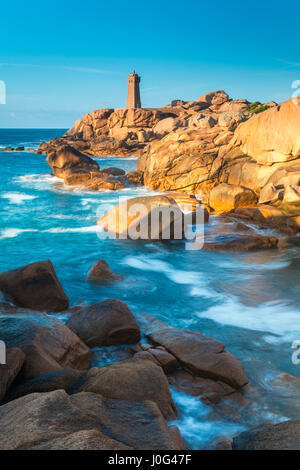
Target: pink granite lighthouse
x=133, y=94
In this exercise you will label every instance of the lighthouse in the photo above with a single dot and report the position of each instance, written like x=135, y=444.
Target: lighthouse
x=133, y=93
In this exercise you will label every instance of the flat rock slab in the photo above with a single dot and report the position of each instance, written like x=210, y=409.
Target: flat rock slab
x=242, y=243
x=202, y=355
x=56, y=420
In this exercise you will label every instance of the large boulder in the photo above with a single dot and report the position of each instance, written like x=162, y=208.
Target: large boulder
x=133, y=118
x=8, y=372
x=200, y=354
x=231, y=119
x=35, y=286
x=181, y=161
x=273, y=135
x=166, y=125
x=214, y=98
x=233, y=105
x=202, y=121
x=139, y=218
x=282, y=436
x=226, y=197
x=66, y=160
x=56, y=420
x=105, y=323
x=47, y=343
x=133, y=379
x=92, y=124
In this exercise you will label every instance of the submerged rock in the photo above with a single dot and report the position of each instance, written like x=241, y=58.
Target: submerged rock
x=35, y=286
x=101, y=272
x=105, y=323
x=249, y=242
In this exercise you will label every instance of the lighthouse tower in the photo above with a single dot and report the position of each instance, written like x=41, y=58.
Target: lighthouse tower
x=133, y=94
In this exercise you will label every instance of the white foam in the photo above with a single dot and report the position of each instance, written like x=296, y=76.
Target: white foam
x=47, y=177
x=195, y=426
x=13, y=232
x=274, y=318
x=272, y=266
x=17, y=198
x=199, y=283
x=89, y=229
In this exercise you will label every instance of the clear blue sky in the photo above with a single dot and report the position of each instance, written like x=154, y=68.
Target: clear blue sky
x=60, y=59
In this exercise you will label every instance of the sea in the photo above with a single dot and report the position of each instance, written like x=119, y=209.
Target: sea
x=248, y=301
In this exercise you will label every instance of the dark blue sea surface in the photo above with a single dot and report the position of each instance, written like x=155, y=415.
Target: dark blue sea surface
x=248, y=301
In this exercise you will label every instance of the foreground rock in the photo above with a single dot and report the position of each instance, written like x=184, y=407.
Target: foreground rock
x=84, y=421
x=138, y=218
x=200, y=354
x=133, y=379
x=47, y=343
x=57, y=380
x=101, y=272
x=282, y=436
x=105, y=323
x=8, y=372
x=35, y=286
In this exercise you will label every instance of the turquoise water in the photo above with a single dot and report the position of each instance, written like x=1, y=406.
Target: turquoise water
x=250, y=302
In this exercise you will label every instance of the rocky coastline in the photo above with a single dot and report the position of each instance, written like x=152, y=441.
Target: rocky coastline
x=229, y=158
x=239, y=159
x=61, y=402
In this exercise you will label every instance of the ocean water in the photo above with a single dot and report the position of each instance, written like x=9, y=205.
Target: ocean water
x=248, y=301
